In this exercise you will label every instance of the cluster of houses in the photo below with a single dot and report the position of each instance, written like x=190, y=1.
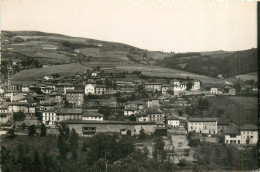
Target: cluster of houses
x=76, y=102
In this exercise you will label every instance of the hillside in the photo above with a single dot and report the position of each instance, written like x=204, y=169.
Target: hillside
x=228, y=64
x=58, y=53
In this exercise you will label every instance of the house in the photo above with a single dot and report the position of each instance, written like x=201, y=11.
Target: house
x=202, y=125
x=222, y=125
x=232, y=135
x=166, y=88
x=90, y=89
x=195, y=85
x=232, y=92
x=55, y=97
x=49, y=118
x=20, y=107
x=153, y=103
x=141, y=117
x=214, y=90
x=153, y=87
x=4, y=117
x=249, y=134
x=100, y=89
x=155, y=115
x=179, y=86
x=173, y=121
x=48, y=77
x=63, y=87
x=75, y=97
x=45, y=106
x=92, y=116
x=25, y=88
x=55, y=116
x=92, y=127
x=46, y=90
x=2, y=89
x=129, y=111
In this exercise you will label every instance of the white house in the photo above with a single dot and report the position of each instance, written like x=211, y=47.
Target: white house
x=249, y=134
x=196, y=85
x=25, y=88
x=214, y=90
x=92, y=116
x=142, y=117
x=232, y=135
x=203, y=125
x=48, y=77
x=49, y=118
x=90, y=89
x=173, y=121
x=129, y=111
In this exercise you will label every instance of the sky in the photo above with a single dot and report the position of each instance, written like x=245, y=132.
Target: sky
x=152, y=25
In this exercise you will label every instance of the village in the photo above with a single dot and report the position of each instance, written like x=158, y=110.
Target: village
x=123, y=103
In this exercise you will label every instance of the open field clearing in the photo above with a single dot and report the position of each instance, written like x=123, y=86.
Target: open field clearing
x=63, y=70
x=241, y=110
x=248, y=76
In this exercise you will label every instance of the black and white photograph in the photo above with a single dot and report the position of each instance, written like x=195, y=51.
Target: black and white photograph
x=129, y=86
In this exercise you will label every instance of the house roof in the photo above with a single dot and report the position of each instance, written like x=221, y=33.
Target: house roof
x=71, y=121
x=100, y=86
x=192, y=119
x=140, y=114
x=154, y=83
x=249, y=127
x=68, y=111
x=154, y=111
x=130, y=109
x=232, y=130
x=172, y=118
x=74, y=91
x=92, y=115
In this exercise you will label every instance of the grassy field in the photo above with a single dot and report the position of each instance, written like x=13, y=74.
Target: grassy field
x=241, y=110
x=63, y=70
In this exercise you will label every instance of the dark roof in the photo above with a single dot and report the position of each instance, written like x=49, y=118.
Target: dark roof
x=140, y=114
x=232, y=130
x=154, y=111
x=92, y=114
x=172, y=118
x=130, y=109
x=71, y=121
x=100, y=86
x=74, y=91
x=191, y=119
x=153, y=83
x=68, y=111
x=249, y=127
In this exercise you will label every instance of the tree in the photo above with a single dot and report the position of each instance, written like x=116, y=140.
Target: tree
x=142, y=134
x=8, y=100
x=220, y=112
x=19, y=116
x=128, y=133
x=43, y=130
x=189, y=85
x=203, y=104
x=36, y=161
x=180, y=112
x=32, y=130
x=10, y=133
x=159, y=152
x=132, y=117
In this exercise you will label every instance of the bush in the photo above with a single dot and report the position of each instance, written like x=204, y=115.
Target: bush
x=32, y=130
x=19, y=116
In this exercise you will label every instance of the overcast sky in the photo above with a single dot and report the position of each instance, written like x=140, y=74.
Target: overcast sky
x=167, y=26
